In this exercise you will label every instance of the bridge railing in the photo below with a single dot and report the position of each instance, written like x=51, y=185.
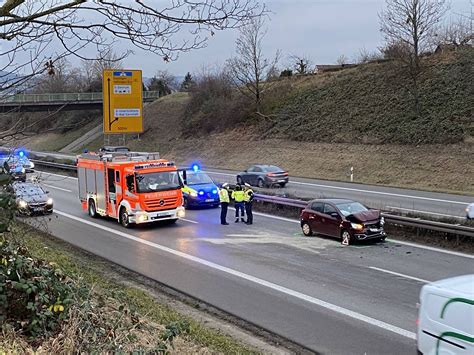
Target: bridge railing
x=66, y=97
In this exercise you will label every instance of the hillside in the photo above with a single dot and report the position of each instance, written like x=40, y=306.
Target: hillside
x=373, y=104
x=321, y=125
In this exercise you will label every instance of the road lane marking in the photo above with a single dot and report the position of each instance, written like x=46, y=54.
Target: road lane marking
x=398, y=274
x=58, y=175
x=188, y=220
x=414, y=245
x=361, y=190
x=57, y=188
x=425, y=212
x=271, y=216
x=253, y=279
x=426, y=247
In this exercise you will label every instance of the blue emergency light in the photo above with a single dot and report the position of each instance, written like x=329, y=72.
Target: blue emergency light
x=195, y=167
x=21, y=153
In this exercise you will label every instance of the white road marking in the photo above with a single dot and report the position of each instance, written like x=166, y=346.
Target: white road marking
x=270, y=216
x=261, y=282
x=398, y=274
x=188, y=220
x=426, y=247
x=58, y=175
x=57, y=188
x=425, y=212
x=361, y=190
x=420, y=246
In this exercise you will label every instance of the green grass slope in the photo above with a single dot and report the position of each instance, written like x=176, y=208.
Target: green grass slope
x=373, y=104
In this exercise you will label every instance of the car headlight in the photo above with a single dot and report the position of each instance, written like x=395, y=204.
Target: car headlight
x=181, y=213
x=193, y=194
x=214, y=192
x=357, y=226
x=50, y=201
x=32, y=165
x=142, y=217
x=201, y=193
x=22, y=204
x=382, y=221
x=23, y=170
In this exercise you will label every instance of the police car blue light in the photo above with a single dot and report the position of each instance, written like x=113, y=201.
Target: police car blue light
x=199, y=188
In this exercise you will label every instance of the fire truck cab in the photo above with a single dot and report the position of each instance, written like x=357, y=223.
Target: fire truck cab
x=132, y=187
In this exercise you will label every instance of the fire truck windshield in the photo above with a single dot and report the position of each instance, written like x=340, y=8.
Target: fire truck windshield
x=151, y=182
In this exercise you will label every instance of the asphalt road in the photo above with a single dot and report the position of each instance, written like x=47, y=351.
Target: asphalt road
x=386, y=198
x=331, y=299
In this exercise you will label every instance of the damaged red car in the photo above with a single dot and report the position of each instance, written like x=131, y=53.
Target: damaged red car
x=346, y=220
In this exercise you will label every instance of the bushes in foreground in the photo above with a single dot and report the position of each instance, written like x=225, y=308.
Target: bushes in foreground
x=44, y=310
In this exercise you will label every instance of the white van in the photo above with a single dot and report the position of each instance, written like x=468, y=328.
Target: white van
x=446, y=317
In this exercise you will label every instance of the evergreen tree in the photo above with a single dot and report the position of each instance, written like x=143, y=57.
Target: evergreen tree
x=187, y=82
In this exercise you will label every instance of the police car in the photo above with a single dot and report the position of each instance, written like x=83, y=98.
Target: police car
x=199, y=189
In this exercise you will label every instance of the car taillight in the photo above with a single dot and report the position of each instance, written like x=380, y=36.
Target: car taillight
x=270, y=174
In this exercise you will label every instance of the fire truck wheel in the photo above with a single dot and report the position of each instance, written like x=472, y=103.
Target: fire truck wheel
x=91, y=209
x=124, y=218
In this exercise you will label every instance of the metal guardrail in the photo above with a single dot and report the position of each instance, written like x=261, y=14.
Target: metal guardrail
x=49, y=164
x=66, y=97
x=389, y=218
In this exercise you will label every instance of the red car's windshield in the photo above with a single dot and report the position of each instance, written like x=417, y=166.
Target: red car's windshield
x=351, y=208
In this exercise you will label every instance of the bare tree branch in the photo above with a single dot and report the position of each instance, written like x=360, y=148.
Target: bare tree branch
x=33, y=32
x=249, y=68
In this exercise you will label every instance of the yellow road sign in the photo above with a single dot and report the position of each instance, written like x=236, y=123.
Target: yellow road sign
x=123, y=101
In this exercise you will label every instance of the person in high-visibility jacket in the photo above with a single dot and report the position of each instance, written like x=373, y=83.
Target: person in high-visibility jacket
x=248, y=199
x=238, y=196
x=224, y=200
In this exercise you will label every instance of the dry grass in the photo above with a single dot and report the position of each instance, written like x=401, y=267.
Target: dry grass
x=427, y=167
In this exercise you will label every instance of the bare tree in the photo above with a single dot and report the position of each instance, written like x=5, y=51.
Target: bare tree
x=301, y=64
x=457, y=32
x=342, y=60
x=34, y=35
x=249, y=68
x=366, y=56
x=412, y=23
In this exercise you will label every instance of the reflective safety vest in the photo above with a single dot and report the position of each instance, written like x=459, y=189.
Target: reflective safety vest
x=248, y=195
x=224, y=195
x=238, y=196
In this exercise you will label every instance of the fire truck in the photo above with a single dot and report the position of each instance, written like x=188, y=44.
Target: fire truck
x=132, y=187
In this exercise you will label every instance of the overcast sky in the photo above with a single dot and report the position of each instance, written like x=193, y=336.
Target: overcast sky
x=319, y=29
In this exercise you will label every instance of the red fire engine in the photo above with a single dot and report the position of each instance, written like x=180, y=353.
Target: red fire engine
x=133, y=187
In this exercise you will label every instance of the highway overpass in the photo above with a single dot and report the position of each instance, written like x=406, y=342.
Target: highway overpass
x=63, y=101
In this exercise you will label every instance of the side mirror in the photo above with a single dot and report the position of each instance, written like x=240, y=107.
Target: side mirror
x=47, y=191
x=245, y=171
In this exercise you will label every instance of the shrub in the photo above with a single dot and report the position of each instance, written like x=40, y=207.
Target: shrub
x=34, y=296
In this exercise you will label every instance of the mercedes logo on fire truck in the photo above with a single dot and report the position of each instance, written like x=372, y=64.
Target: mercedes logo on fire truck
x=162, y=202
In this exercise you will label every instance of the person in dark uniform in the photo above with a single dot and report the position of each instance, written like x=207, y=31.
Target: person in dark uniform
x=248, y=199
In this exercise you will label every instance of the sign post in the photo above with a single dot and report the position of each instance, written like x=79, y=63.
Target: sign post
x=123, y=101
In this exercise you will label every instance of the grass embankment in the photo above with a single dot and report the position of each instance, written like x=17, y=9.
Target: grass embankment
x=103, y=314
x=372, y=103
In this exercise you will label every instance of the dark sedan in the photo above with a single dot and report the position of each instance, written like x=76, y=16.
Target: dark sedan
x=32, y=199
x=343, y=219
x=263, y=176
